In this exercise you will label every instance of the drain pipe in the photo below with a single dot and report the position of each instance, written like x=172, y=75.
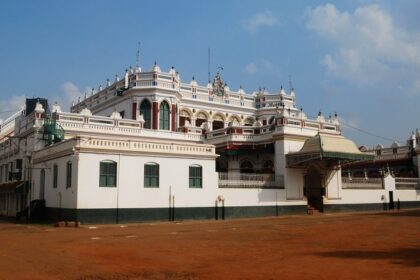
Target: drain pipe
x=170, y=204
x=173, y=208
x=216, y=210
x=222, y=200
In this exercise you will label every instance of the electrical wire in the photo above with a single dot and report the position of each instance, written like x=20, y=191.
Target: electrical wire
x=10, y=111
x=342, y=121
x=368, y=133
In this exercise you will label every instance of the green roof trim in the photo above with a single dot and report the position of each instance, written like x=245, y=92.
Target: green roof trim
x=324, y=147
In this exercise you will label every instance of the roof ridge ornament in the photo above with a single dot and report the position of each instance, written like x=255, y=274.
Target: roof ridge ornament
x=218, y=84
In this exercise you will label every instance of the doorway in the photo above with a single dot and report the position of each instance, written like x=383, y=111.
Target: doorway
x=314, y=190
x=391, y=200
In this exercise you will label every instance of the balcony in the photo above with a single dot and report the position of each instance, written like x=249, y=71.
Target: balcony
x=362, y=183
x=251, y=181
x=407, y=183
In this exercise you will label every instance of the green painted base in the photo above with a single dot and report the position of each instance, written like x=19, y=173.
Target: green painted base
x=124, y=215
x=369, y=206
x=134, y=215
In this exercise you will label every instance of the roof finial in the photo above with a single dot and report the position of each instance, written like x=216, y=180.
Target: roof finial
x=138, y=55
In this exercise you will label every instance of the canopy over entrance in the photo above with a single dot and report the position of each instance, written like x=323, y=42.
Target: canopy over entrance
x=327, y=148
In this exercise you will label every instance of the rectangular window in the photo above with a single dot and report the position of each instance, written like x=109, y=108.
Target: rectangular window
x=55, y=176
x=68, y=177
x=108, y=174
x=196, y=177
x=19, y=164
x=151, y=175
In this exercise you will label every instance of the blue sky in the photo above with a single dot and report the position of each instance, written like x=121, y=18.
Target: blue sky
x=360, y=59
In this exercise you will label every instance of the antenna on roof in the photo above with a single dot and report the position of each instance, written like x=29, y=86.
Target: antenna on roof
x=290, y=83
x=208, y=64
x=138, y=55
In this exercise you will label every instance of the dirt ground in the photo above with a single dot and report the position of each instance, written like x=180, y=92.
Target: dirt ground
x=328, y=246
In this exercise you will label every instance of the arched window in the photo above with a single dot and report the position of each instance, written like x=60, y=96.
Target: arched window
x=151, y=175
x=268, y=167
x=108, y=173
x=164, y=116
x=55, y=176
x=146, y=111
x=196, y=176
x=42, y=184
x=247, y=167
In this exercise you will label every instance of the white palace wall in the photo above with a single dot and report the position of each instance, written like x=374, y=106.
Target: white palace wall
x=130, y=191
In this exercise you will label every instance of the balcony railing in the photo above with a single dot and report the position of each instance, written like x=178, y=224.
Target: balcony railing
x=259, y=181
x=407, y=183
x=362, y=183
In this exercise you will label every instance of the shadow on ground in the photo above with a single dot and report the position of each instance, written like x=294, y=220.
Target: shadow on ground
x=151, y=275
x=407, y=213
x=404, y=256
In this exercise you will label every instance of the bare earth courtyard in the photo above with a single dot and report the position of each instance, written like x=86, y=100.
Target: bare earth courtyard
x=329, y=246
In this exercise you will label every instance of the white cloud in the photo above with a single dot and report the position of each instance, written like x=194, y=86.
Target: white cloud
x=416, y=88
x=251, y=68
x=11, y=105
x=260, y=65
x=368, y=43
x=260, y=20
x=266, y=64
x=69, y=93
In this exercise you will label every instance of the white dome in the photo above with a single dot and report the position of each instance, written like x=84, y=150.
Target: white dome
x=156, y=68
x=172, y=71
x=86, y=112
x=193, y=82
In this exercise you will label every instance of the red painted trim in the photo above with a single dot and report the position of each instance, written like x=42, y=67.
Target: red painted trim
x=173, y=117
x=155, y=114
x=134, y=111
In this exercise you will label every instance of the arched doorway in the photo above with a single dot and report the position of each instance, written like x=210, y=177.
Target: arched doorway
x=184, y=117
x=200, y=119
x=235, y=120
x=249, y=121
x=218, y=122
x=314, y=189
x=146, y=111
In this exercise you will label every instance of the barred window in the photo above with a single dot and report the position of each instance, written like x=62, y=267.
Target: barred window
x=196, y=176
x=69, y=174
x=108, y=174
x=151, y=175
x=55, y=176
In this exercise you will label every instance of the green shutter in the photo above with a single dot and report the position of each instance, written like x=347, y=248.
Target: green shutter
x=195, y=177
x=146, y=111
x=151, y=175
x=164, y=116
x=108, y=174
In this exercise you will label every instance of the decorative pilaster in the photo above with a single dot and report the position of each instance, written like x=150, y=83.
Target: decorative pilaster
x=134, y=111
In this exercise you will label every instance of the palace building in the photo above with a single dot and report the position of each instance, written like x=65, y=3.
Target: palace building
x=150, y=147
